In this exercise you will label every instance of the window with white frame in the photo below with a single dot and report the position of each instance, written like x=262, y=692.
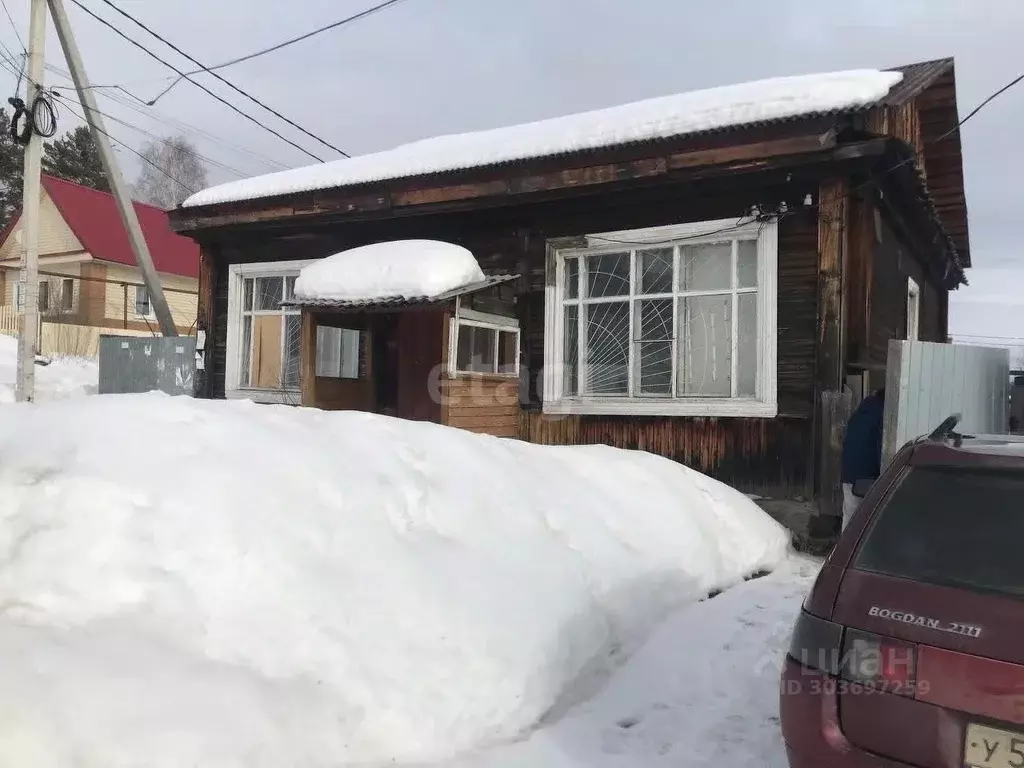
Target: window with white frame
x=485, y=343
x=673, y=320
x=143, y=305
x=263, y=352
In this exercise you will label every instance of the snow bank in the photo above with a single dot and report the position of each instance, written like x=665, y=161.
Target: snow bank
x=203, y=583
x=63, y=377
x=398, y=269
x=660, y=118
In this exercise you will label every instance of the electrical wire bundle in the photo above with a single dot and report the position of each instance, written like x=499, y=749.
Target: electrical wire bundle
x=40, y=119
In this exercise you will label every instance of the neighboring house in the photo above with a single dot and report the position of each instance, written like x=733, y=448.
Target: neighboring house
x=699, y=276
x=87, y=269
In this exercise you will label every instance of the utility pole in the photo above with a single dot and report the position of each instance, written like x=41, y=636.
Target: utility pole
x=117, y=184
x=25, y=386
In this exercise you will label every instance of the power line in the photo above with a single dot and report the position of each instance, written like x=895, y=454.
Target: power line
x=286, y=43
x=64, y=100
x=10, y=18
x=198, y=63
x=138, y=105
x=222, y=100
x=138, y=154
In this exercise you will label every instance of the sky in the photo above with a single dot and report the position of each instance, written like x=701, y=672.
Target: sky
x=428, y=67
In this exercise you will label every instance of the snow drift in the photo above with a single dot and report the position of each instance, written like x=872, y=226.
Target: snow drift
x=63, y=377
x=225, y=584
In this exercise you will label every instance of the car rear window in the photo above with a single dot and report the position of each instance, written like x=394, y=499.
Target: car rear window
x=952, y=527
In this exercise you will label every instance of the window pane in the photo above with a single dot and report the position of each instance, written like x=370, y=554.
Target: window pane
x=247, y=288
x=67, y=294
x=705, y=340
x=337, y=353
x=244, y=379
x=653, y=353
x=268, y=293
x=746, y=345
x=655, y=268
x=746, y=264
x=607, y=350
x=289, y=288
x=508, y=351
x=292, y=349
x=141, y=300
x=570, y=352
x=476, y=349
x=957, y=528
x=705, y=267
x=44, y=296
x=572, y=278
x=608, y=275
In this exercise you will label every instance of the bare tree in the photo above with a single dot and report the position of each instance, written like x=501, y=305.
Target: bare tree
x=171, y=171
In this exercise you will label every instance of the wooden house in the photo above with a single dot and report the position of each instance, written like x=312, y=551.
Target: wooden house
x=701, y=276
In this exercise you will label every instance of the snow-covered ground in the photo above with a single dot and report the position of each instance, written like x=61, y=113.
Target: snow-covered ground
x=703, y=691
x=64, y=377
x=225, y=584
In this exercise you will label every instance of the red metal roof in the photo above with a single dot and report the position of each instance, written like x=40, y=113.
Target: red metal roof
x=92, y=215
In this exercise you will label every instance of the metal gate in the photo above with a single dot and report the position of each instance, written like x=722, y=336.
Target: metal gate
x=927, y=382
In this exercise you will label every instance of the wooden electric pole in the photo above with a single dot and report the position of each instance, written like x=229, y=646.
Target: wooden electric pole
x=25, y=384
x=117, y=183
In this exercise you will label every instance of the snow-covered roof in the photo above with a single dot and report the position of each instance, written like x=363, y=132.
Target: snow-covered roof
x=393, y=270
x=659, y=118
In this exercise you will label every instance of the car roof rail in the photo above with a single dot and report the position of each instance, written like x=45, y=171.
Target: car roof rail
x=947, y=431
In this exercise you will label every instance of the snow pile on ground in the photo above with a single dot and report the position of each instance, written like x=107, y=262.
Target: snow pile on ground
x=63, y=377
x=702, y=693
x=223, y=584
x=659, y=118
x=405, y=269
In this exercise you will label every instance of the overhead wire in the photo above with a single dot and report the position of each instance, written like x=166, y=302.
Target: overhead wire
x=202, y=87
x=211, y=161
x=286, y=43
x=137, y=105
x=135, y=152
x=10, y=18
x=198, y=63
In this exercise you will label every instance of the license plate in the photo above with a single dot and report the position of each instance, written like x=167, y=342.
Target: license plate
x=993, y=748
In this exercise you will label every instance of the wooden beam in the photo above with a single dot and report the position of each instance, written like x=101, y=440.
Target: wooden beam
x=515, y=181
x=205, y=314
x=833, y=231
x=307, y=359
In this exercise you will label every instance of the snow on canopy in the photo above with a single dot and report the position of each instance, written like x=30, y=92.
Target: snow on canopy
x=658, y=118
x=397, y=269
x=327, y=588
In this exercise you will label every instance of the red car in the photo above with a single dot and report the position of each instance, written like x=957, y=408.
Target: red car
x=909, y=649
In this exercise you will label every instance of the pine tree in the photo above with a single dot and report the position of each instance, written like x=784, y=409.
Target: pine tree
x=11, y=171
x=76, y=157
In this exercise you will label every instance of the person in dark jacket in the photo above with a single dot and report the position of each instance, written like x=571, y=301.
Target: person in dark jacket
x=862, y=449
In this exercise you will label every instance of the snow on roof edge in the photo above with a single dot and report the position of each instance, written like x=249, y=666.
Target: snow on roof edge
x=662, y=117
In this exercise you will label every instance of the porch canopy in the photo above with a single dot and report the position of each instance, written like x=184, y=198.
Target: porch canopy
x=379, y=321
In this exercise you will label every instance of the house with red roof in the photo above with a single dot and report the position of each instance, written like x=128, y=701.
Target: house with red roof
x=88, y=274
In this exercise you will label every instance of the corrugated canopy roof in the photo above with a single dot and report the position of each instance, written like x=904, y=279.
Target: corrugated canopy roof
x=397, y=302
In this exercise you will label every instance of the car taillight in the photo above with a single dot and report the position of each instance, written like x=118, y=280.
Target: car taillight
x=815, y=644
x=879, y=662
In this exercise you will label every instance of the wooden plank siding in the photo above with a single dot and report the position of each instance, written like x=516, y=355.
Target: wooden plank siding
x=478, y=403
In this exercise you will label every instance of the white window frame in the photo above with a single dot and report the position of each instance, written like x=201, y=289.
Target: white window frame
x=765, y=402
x=469, y=317
x=237, y=274
x=913, y=310
x=149, y=300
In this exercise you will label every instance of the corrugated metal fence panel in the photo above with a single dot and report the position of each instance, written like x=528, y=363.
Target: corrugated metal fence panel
x=927, y=382
x=144, y=364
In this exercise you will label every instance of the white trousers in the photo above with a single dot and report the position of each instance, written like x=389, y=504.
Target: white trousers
x=850, y=504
